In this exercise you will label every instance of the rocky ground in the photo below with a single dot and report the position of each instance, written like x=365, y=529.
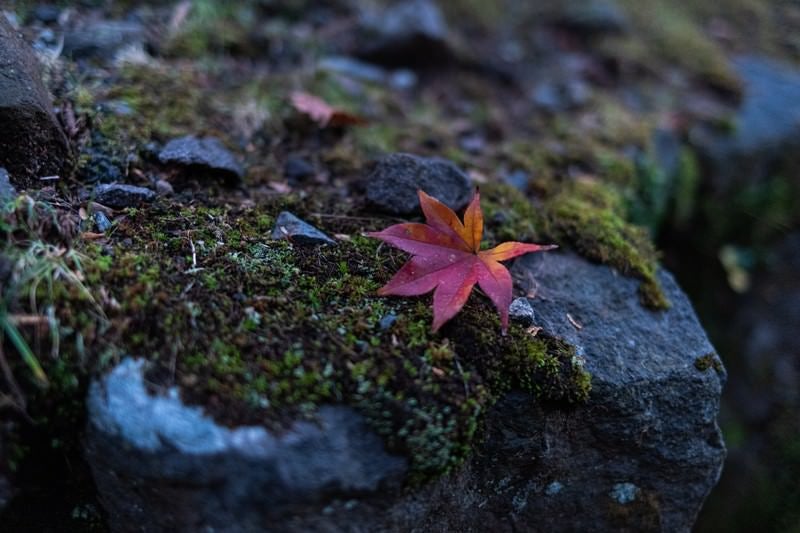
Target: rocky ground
x=190, y=324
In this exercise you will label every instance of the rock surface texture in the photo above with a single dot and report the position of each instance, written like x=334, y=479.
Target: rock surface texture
x=641, y=455
x=394, y=181
x=162, y=466
x=32, y=144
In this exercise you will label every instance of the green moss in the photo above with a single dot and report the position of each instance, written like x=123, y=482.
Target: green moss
x=271, y=330
x=667, y=31
x=707, y=361
x=582, y=215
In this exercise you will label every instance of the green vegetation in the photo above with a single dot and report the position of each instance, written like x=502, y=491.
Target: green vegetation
x=271, y=330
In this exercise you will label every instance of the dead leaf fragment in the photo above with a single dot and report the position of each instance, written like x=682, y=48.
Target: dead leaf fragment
x=323, y=113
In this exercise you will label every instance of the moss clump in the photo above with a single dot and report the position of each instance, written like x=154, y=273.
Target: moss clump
x=707, y=361
x=583, y=215
x=261, y=331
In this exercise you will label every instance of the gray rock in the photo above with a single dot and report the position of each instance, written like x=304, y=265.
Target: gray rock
x=160, y=465
x=387, y=320
x=290, y=227
x=101, y=221
x=412, y=33
x=393, y=183
x=102, y=38
x=204, y=154
x=521, y=311
x=32, y=143
x=7, y=191
x=766, y=137
x=120, y=195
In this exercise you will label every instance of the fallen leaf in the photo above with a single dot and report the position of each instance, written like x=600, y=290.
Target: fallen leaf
x=323, y=113
x=446, y=258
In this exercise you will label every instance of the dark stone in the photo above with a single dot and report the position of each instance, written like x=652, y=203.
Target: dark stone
x=290, y=227
x=393, y=183
x=32, y=143
x=99, y=164
x=162, y=466
x=102, y=38
x=521, y=312
x=297, y=168
x=202, y=154
x=766, y=139
x=101, y=221
x=411, y=33
x=120, y=195
x=7, y=191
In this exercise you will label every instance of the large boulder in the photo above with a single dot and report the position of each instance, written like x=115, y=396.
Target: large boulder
x=32, y=143
x=766, y=136
x=641, y=455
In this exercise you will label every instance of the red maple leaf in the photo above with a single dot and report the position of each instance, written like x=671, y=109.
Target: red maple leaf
x=447, y=257
x=322, y=112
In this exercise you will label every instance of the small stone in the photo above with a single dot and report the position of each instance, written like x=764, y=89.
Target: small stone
x=100, y=167
x=164, y=188
x=288, y=226
x=519, y=179
x=412, y=33
x=101, y=221
x=624, y=493
x=206, y=153
x=7, y=191
x=297, y=168
x=473, y=143
x=521, y=311
x=387, y=321
x=394, y=181
x=120, y=195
